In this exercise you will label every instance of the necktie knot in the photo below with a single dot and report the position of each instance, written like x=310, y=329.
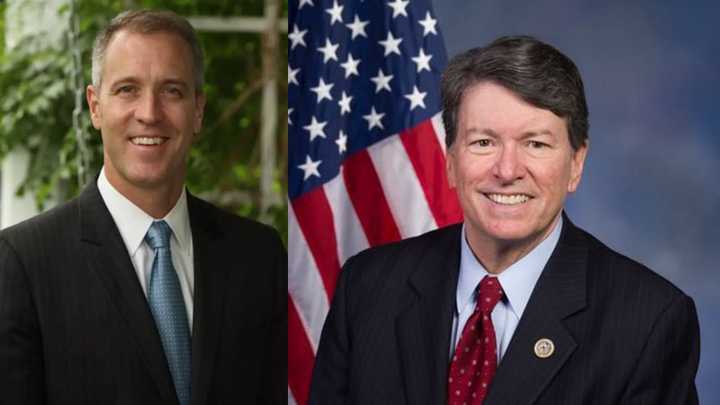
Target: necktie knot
x=158, y=236
x=489, y=293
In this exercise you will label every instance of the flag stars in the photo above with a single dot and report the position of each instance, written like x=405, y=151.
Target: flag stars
x=305, y=2
x=292, y=75
x=428, y=25
x=341, y=142
x=399, y=7
x=329, y=51
x=290, y=111
x=422, y=61
x=310, y=167
x=381, y=81
x=351, y=66
x=374, y=119
x=322, y=90
x=335, y=13
x=344, y=103
x=297, y=37
x=358, y=27
x=417, y=98
x=391, y=44
x=316, y=128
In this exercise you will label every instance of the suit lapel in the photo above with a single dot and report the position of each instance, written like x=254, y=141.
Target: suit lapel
x=210, y=278
x=559, y=292
x=423, y=329
x=107, y=256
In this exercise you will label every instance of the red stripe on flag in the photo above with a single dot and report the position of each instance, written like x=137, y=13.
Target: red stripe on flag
x=300, y=356
x=314, y=216
x=428, y=159
x=363, y=187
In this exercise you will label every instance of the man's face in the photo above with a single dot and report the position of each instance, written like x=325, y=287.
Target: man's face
x=512, y=165
x=147, y=109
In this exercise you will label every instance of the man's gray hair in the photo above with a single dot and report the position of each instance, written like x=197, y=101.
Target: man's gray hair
x=148, y=22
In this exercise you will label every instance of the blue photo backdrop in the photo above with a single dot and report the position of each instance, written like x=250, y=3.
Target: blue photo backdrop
x=651, y=187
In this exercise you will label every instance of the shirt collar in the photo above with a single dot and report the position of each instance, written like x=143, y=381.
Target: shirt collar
x=518, y=280
x=133, y=223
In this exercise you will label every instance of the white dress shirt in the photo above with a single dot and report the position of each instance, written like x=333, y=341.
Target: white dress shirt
x=517, y=281
x=133, y=224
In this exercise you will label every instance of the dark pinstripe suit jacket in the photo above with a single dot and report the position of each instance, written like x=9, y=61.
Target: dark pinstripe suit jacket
x=622, y=334
x=75, y=327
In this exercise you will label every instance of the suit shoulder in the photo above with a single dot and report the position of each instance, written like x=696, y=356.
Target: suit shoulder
x=232, y=223
x=42, y=227
x=380, y=260
x=609, y=265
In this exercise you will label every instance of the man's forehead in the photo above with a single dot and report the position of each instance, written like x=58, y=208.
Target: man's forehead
x=130, y=51
x=490, y=107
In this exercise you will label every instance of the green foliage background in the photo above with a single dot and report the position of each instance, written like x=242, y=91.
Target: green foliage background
x=38, y=100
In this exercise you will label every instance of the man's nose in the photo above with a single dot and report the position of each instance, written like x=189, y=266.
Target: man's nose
x=509, y=166
x=149, y=109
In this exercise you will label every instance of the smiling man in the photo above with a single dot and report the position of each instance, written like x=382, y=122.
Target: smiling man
x=138, y=292
x=516, y=305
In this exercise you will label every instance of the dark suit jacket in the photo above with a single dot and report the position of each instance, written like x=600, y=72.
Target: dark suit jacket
x=75, y=327
x=622, y=334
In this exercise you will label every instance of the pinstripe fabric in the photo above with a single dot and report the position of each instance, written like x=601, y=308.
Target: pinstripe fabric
x=168, y=309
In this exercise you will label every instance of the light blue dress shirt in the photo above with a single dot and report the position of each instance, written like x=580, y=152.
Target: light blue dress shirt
x=517, y=281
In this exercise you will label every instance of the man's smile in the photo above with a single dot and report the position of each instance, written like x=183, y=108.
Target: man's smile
x=507, y=199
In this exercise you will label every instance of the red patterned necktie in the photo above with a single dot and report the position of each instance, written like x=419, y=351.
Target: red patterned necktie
x=475, y=360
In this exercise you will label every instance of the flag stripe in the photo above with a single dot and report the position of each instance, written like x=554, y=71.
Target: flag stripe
x=344, y=218
x=428, y=160
x=300, y=356
x=304, y=282
x=404, y=194
x=366, y=194
x=312, y=211
x=439, y=130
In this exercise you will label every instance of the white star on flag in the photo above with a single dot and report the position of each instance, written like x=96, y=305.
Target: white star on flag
x=428, y=24
x=335, y=13
x=381, y=81
x=290, y=111
x=422, y=61
x=297, y=37
x=417, y=98
x=374, y=119
x=310, y=168
x=399, y=7
x=341, y=142
x=292, y=76
x=358, y=27
x=322, y=90
x=391, y=44
x=351, y=66
x=329, y=51
x=344, y=103
x=316, y=129
x=304, y=2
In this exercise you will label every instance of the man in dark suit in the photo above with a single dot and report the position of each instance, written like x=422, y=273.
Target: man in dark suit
x=516, y=306
x=136, y=292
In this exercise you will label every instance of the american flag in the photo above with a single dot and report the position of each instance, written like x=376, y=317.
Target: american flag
x=366, y=151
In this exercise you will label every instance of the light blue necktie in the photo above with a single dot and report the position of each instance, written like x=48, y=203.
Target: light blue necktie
x=168, y=309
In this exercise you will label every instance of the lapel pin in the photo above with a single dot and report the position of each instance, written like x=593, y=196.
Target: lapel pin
x=544, y=348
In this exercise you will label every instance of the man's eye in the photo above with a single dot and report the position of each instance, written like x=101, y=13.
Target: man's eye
x=125, y=90
x=481, y=142
x=174, y=91
x=537, y=145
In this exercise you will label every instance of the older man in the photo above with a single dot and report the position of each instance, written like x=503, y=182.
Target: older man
x=516, y=305
x=137, y=292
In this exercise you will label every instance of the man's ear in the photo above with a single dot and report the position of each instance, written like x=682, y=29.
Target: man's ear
x=93, y=99
x=450, y=165
x=577, y=165
x=200, y=100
